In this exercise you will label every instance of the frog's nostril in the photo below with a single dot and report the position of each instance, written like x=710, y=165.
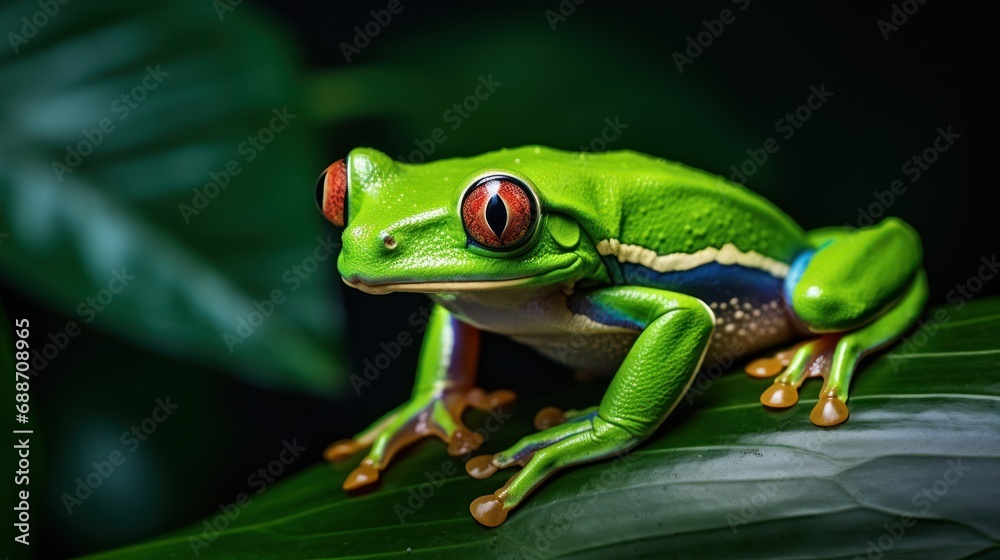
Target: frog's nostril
x=389, y=241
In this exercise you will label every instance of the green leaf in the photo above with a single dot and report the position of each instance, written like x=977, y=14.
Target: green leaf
x=118, y=116
x=724, y=478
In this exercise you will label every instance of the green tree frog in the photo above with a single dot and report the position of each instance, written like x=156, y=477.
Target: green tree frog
x=655, y=265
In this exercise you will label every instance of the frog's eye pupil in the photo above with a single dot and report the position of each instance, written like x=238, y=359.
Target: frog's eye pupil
x=499, y=212
x=496, y=215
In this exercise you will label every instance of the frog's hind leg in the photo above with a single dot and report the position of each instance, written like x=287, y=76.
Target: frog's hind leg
x=832, y=408
x=866, y=288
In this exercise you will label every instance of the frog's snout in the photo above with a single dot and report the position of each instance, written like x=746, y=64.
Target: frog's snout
x=331, y=193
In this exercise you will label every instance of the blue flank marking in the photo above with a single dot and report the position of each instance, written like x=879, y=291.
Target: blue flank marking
x=709, y=282
x=611, y=316
x=712, y=282
x=795, y=271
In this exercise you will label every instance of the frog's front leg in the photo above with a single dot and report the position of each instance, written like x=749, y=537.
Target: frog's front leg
x=675, y=332
x=443, y=390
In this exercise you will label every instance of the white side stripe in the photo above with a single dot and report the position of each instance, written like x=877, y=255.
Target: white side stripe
x=728, y=255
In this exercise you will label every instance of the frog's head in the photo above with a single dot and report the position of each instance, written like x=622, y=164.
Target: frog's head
x=452, y=225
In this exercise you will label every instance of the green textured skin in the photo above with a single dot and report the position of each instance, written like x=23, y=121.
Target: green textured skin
x=866, y=286
x=624, y=195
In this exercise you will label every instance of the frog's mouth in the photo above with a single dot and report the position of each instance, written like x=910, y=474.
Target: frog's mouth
x=437, y=287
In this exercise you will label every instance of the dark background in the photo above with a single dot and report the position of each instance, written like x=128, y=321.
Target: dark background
x=606, y=60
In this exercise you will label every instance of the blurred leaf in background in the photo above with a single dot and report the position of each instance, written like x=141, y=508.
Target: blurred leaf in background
x=155, y=180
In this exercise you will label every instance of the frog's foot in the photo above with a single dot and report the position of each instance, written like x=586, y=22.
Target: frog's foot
x=771, y=366
x=586, y=437
x=810, y=359
x=434, y=415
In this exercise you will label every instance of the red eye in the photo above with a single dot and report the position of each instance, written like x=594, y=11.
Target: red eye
x=499, y=212
x=331, y=192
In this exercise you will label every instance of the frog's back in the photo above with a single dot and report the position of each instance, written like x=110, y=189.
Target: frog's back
x=671, y=208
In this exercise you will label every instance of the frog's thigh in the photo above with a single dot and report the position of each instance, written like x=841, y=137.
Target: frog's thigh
x=853, y=277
